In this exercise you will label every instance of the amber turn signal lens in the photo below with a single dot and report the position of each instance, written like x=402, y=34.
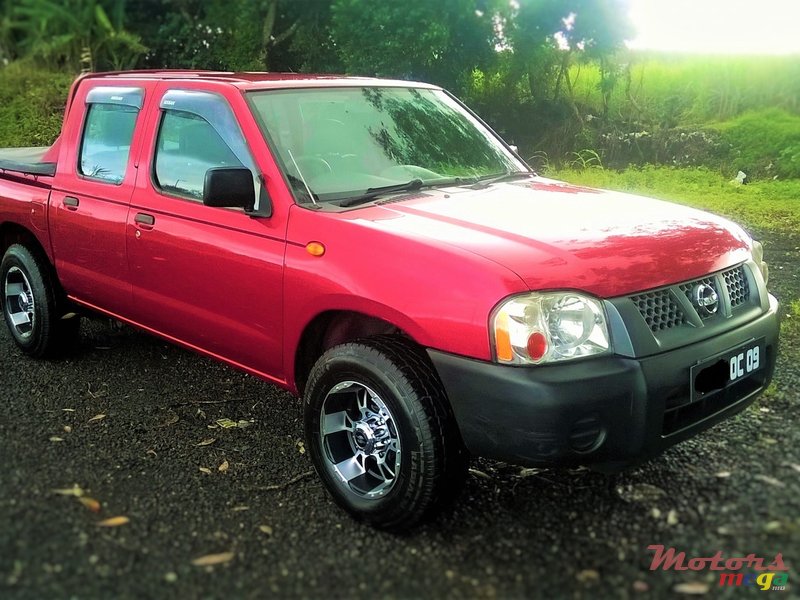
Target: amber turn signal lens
x=315, y=248
x=502, y=339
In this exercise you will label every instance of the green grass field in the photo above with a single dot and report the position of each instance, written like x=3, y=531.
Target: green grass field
x=692, y=90
x=763, y=205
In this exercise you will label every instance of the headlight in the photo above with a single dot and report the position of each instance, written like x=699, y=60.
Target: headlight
x=543, y=327
x=757, y=251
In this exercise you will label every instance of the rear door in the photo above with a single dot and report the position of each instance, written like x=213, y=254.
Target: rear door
x=91, y=194
x=208, y=277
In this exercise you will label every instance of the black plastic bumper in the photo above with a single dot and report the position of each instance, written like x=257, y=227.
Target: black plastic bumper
x=610, y=412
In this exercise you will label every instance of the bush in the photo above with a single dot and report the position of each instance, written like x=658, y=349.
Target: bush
x=31, y=105
x=764, y=143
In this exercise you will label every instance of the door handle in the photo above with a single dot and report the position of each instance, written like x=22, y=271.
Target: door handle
x=71, y=203
x=144, y=220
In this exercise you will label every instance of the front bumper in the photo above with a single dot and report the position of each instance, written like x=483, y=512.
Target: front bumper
x=609, y=412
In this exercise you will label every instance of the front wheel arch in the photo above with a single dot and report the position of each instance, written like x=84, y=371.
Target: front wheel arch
x=434, y=460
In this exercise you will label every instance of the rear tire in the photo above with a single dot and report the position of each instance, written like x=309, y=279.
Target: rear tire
x=381, y=433
x=33, y=306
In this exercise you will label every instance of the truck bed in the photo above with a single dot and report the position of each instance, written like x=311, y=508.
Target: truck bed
x=27, y=161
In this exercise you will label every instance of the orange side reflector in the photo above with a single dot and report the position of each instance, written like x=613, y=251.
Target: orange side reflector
x=315, y=248
x=502, y=339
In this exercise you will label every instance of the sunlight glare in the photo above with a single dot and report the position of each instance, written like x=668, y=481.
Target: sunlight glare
x=717, y=26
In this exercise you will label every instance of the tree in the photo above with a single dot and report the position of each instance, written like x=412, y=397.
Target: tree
x=8, y=37
x=78, y=34
x=439, y=42
x=600, y=29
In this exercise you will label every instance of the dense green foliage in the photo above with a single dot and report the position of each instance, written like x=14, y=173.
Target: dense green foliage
x=31, y=105
x=552, y=76
x=765, y=141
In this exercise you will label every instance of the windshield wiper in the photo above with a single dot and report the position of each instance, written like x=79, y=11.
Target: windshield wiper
x=507, y=176
x=372, y=193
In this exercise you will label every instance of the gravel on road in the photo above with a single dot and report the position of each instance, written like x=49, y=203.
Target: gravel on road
x=209, y=469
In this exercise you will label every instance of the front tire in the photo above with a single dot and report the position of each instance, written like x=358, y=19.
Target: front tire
x=381, y=434
x=31, y=304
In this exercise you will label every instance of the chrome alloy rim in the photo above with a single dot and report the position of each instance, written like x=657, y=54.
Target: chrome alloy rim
x=359, y=440
x=19, y=302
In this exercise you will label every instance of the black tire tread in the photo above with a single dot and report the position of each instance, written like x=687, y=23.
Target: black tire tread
x=444, y=468
x=55, y=335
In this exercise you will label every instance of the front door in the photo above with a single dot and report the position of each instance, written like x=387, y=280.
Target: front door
x=208, y=277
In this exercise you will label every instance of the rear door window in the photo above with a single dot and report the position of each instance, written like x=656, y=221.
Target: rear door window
x=108, y=132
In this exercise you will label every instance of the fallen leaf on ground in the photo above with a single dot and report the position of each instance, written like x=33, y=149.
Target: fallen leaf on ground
x=770, y=480
x=114, y=522
x=301, y=447
x=530, y=472
x=240, y=508
x=693, y=588
x=792, y=466
x=223, y=467
x=68, y=409
x=672, y=517
x=723, y=474
x=587, y=576
x=773, y=527
x=226, y=423
x=55, y=438
x=171, y=420
x=213, y=559
x=75, y=490
x=90, y=503
x=67, y=429
x=265, y=529
x=96, y=418
x=207, y=442
x=242, y=424
x=478, y=473
x=205, y=470
x=640, y=492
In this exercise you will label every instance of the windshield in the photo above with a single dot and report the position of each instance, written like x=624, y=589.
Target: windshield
x=344, y=143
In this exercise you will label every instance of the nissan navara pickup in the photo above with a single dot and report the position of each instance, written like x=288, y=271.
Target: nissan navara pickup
x=373, y=247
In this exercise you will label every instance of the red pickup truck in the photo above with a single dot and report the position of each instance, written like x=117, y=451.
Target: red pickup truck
x=373, y=247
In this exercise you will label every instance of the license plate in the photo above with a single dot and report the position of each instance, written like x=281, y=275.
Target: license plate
x=727, y=368
x=744, y=361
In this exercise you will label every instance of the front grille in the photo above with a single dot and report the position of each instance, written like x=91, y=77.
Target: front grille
x=659, y=310
x=738, y=288
x=666, y=308
x=688, y=289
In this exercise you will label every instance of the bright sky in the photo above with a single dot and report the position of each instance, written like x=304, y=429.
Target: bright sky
x=717, y=26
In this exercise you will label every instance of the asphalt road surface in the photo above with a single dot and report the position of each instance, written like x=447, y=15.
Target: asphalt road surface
x=132, y=422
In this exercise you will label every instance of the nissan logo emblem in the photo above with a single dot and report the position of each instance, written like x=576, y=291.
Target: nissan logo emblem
x=705, y=299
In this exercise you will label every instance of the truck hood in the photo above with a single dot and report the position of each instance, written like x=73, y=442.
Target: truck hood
x=555, y=235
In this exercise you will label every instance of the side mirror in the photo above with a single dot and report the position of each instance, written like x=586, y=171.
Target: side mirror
x=229, y=187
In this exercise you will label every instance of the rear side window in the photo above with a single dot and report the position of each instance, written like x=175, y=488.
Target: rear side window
x=186, y=148
x=106, y=141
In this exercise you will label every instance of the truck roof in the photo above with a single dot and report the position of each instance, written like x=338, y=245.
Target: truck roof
x=259, y=80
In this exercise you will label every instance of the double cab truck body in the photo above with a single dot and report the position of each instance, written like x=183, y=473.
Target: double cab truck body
x=373, y=247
